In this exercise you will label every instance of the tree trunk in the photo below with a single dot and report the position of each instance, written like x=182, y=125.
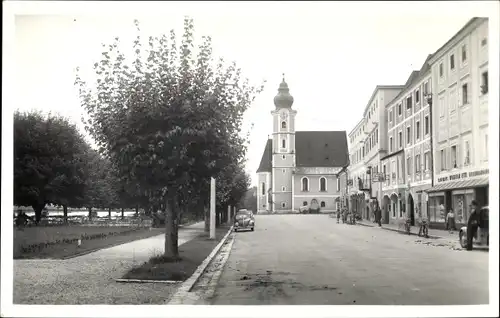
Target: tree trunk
x=109, y=213
x=90, y=213
x=38, y=208
x=123, y=213
x=207, y=218
x=171, y=239
x=137, y=210
x=65, y=213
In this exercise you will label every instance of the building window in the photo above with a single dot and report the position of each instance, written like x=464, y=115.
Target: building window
x=283, y=204
x=283, y=188
x=305, y=184
x=417, y=130
x=417, y=96
x=426, y=124
x=465, y=93
x=283, y=124
x=452, y=62
x=263, y=188
x=283, y=143
x=484, y=41
x=441, y=107
x=283, y=157
x=400, y=111
x=466, y=153
x=390, y=116
x=338, y=184
x=400, y=139
x=464, y=53
x=322, y=184
x=426, y=88
x=390, y=145
x=323, y=204
x=441, y=73
x=283, y=170
x=408, y=135
x=454, y=156
x=408, y=166
x=443, y=160
x=484, y=83
x=409, y=102
x=427, y=161
x=417, y=163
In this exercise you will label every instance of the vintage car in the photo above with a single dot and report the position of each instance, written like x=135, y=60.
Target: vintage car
x=482, y=237
x=304, y=209
x=244, y=219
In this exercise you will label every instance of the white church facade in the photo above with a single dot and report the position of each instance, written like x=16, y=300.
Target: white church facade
x=300, y=168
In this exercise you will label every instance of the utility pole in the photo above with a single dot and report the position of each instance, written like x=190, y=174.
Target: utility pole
x=212, y=208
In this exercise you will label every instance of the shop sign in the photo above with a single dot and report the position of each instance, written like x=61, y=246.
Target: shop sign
x=463, y=175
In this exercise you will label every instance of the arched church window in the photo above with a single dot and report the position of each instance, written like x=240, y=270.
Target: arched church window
x=305, y=184
x=283, y=124
x=322, y=184
x=263, y=188
x=283, y=143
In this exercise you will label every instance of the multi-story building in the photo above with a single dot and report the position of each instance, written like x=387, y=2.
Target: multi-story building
x=407, y=168
x=369, y=145
x=299, y=168
x=460, y=117
x=357, y=169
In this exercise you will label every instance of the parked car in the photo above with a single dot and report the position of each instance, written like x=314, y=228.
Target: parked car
x=244, y=219
x=482, y=237
x=304, y=209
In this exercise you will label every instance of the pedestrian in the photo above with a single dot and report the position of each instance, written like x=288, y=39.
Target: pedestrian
x=472, y=224
x=338, y=216
x=450, y=218
x=378, y=215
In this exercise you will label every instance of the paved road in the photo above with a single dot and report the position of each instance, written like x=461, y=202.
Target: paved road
x=312, y=260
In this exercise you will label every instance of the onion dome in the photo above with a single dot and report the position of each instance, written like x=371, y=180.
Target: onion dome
x=283, y=99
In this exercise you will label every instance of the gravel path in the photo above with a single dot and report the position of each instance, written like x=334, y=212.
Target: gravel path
x=90, y=279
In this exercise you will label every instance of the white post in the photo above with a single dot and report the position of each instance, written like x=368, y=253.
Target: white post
x=228, y=214
x=212, y=208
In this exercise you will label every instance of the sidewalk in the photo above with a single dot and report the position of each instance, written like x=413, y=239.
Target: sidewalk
x=90, y=279
x=433, y=233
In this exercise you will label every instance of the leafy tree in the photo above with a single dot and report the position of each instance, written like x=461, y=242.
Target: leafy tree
x=49, y=167
x=170, y=122
x=249, y=200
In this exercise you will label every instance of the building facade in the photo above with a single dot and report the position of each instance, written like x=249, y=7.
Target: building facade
x=460, y=117
x=407, y=168
x=369, y=146
x=299, y=168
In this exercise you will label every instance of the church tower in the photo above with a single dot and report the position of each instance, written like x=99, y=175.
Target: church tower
x=283, y=152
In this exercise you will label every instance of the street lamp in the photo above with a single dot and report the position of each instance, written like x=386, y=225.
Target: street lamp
x=428, y=97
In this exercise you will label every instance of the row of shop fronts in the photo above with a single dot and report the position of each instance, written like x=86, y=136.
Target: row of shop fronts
x=422, y=200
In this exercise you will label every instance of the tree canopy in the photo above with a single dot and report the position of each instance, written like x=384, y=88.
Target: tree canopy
x=167, y=120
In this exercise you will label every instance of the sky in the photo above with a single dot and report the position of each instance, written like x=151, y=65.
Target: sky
x=333, y=54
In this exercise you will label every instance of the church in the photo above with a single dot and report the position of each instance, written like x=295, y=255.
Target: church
x=300, y=168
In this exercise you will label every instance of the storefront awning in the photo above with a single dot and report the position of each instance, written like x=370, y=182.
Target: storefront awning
x=463, y=184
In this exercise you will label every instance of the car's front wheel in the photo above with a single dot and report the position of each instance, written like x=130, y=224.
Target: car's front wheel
x=252, y=229
x=463, y=239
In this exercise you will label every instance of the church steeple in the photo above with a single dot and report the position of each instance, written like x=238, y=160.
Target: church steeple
x=283, y=99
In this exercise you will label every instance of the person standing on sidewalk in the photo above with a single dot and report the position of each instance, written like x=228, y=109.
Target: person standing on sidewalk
x=472, y=224
x=378, y=214
x=450, y=218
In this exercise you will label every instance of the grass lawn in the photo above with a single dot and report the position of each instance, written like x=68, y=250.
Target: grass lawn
x=191, y=253
x=61, y=241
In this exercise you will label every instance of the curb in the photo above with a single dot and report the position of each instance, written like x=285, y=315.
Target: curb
x=215, y=279
x=186, y=287
x=124, y=280
x=435, y=237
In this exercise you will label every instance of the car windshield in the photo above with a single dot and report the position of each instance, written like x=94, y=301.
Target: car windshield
x=243, y=213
